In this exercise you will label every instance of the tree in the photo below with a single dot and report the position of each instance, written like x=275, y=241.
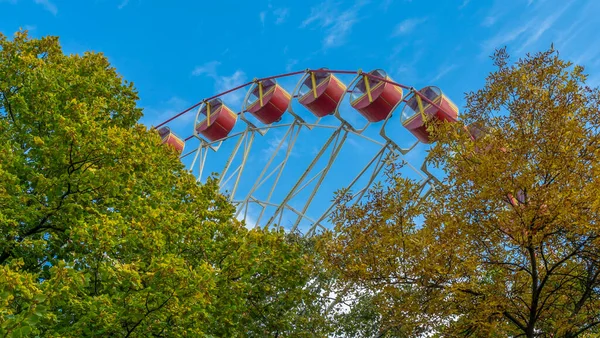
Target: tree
x=507, y=244
x=103, y=232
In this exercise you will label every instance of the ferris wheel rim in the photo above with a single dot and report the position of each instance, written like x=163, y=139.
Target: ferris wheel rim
x=339, y=123
x=359, y=73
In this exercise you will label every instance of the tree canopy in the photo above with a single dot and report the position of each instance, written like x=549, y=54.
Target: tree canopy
x=507, y=243
x=103, y=232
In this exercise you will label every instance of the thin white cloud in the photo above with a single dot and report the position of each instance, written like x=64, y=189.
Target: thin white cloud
x=272, y=144
x=496, y=12
x=290, y=65
x=159, y=113
x=571, y=41
x=281, y=14
x=527, y=34
x=356, y=146
x=336, y=23
x=123, y=4
x=224, y=82
x=504, y=37
x=584, y=58
x=464, y=4
x=542, y=27
x=489, y=21
x=319, y=16
x=209, y=69
x=443, y=72
x=386, y=4
x=566, y=36
x=262, y=15
x=49, y=6
x=177, y=102
x=407, y=26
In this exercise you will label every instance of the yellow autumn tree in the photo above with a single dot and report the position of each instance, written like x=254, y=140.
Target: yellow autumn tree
x=507, y=244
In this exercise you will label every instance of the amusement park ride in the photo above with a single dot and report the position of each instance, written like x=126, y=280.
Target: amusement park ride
x=277, y=194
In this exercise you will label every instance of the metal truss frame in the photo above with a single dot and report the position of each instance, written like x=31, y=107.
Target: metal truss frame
x=316, y=170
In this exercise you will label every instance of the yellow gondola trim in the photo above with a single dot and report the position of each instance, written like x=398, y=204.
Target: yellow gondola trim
x=368, y=87
x=380, y=83
x=424, y=108
x=340, y=83
x=207, y=113
x=410, y=119
x=285, y=93
x=451, y=104
x=438, y=101
x=272, y=88
x=420, y=104
x=398, y=88
x=323, y=83
x=314, y=84
x=260, y=93
x=232, y=114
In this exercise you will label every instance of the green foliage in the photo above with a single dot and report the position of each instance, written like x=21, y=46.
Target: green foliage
x=103, y=232
x=468, y=262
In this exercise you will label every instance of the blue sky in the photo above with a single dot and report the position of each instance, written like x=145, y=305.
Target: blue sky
x=178, y=53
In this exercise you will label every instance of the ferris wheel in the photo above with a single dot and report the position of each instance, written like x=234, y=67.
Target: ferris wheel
x=283, y=155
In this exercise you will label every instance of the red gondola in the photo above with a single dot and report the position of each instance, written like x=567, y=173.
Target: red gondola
x=169, y=138
x=417, y=110
x=374, y=98
x=268, y=101
x=516, y=200
x=477, y=130
x=219, y=120
x=321, y=93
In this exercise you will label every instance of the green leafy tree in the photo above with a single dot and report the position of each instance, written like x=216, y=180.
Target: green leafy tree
x=507, y=245
x=104, y=233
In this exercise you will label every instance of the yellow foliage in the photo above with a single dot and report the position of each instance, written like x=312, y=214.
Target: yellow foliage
x=508, y=244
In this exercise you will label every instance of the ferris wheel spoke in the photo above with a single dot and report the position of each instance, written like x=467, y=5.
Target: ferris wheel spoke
x=298, y=183
x=198, y=151
x=335, y=149
x=290, y=139
x=286, y=206
x=261, y=179
x=308, y=182
x=236, y=148
x=365, y=137
x=430, y=176
x=202, y=162
x=378, y=159
x=280, y=172
x=254, y=171
x=334, y=153
x=230, y=177
x=313, y=230
x=381, y=161
x=247, y=146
